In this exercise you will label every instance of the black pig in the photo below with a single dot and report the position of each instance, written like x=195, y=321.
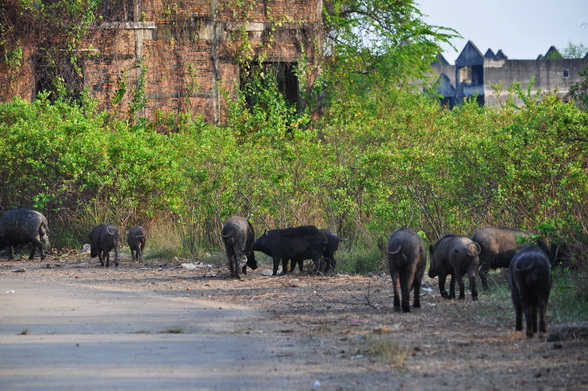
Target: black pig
x=328, y=259
x=103, y=239
x=238, y=237
x=136, y=239
x=332, y=246
x=458, y=256
x=530, y=283
x=497, y=247
x=406, y=262
x=22, y=226
x=296, y=244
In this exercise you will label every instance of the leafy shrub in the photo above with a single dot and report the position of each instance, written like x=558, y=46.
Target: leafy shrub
x=438, y=172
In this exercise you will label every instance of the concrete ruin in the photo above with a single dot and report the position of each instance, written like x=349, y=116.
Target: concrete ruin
x=183, y=56
x=476, y=75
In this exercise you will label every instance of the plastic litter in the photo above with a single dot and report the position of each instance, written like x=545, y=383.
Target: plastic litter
x=316, y=384
x=10, y=291
x=189, y=266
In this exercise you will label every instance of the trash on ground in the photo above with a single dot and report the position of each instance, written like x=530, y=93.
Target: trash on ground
x=189, y=266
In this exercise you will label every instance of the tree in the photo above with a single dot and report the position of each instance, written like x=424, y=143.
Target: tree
x=574, y=51
x=375, y=46
x=579, y=91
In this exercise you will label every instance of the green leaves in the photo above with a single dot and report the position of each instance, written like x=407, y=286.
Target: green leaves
x=378, y=49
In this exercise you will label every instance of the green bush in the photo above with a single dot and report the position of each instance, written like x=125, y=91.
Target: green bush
x=435, y=171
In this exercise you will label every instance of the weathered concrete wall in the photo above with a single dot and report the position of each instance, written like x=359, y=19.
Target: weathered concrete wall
x=17, y=81
x=118, y=49
x=545, y=74
x=185, y=51
x=447, y=70
x=190, y=52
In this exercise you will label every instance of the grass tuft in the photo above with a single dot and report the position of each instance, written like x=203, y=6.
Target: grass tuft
x=389, y=351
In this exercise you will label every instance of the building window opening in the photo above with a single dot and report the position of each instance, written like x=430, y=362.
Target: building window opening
x=53, y=73
x=279, y=75
x=42, y=77
x=117, y=10
x=465, y=75
x=477, y=75
x=566, y=73
x=472, y=75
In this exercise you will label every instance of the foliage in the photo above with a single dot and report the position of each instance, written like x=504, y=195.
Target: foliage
x=579, y=91
x=574, y=51
x=66, y=160
x=377, y=49
x=568, y=301
x=569, y=52
x=436, y=171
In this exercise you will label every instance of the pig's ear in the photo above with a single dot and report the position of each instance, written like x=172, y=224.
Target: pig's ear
x=265, y=232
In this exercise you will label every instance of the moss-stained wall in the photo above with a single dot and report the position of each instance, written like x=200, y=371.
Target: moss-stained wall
x=186, y=53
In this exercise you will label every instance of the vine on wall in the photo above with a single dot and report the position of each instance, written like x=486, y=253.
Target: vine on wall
x=55, y=29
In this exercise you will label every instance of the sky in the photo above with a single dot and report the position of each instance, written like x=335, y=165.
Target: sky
x=523, y=29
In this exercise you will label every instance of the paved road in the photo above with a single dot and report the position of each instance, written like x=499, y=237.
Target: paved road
x=74, y=337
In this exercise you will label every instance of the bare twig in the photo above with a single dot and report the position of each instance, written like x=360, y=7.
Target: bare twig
x=367, y=297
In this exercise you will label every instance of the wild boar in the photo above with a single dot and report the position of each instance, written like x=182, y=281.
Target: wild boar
x=406, y=262
x=497, y=247
x=136, y=239
x=238, y=236
x=530, y=285
x=458, y=256
x=328, y=259
x=103, y=239
x=23, y=226
x=296, y=244
x=331, y=248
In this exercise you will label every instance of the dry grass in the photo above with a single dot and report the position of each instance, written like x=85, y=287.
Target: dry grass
x=388, y=351
x=163, y=241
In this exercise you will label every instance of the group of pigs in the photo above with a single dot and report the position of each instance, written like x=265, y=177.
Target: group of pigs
x=455, y=255
x=105, y=238
x=489, y=248
x=23, y=226
x=287, y=244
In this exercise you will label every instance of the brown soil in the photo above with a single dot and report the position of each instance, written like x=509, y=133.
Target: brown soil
x=342, y=330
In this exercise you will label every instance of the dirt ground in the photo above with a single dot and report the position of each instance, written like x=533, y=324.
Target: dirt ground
x=340, y=331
